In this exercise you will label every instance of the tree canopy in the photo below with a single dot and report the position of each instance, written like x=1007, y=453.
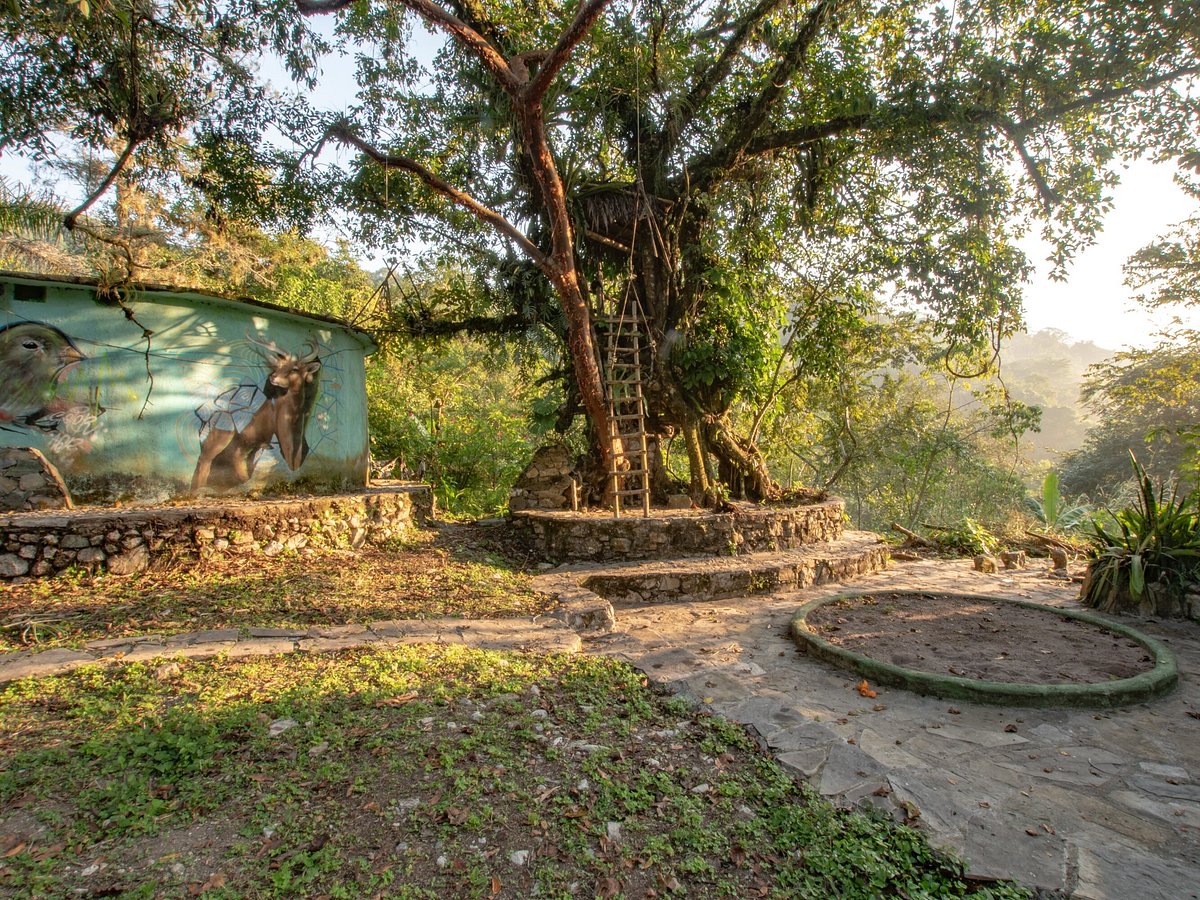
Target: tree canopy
x=754, y=172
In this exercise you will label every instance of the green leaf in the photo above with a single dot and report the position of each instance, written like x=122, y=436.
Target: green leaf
x=1137, y=576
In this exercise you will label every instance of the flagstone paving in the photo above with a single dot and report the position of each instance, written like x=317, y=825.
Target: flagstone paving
x=1090, y=803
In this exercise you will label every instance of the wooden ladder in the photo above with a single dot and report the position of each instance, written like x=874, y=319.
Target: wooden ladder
x=625, y=332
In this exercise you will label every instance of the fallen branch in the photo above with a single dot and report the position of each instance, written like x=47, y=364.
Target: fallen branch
x=913, y=537
x=1052, y=542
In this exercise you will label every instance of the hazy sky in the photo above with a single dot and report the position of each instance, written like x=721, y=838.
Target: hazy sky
x=1093, y=303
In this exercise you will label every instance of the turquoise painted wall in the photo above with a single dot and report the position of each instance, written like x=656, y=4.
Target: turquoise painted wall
x=240, y=387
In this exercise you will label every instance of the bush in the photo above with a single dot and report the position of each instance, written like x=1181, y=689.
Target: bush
x=463, y=410
x=1143, y=558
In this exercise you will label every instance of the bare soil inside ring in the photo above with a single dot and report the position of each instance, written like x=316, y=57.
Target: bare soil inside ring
x=989, y=640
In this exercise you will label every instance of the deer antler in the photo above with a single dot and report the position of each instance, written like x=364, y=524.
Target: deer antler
x=272, y=351
x=314, y=350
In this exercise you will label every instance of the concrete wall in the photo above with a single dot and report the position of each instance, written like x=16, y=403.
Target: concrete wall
x=242, y=398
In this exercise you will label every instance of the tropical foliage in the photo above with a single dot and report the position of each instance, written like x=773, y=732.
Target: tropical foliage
x=1143, y=560
x=1053, y=510
x=1147, y=401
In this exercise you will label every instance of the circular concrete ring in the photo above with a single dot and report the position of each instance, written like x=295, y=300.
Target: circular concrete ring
x=1140, y=688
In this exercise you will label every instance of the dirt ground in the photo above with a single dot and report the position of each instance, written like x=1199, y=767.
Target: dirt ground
x=983, y=639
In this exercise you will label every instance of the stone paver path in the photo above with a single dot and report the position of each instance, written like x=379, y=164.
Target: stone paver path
x=1092, y=803
x=542, y=635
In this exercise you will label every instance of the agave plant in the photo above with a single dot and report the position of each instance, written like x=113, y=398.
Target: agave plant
x=1053, y=511
x=1145, y=555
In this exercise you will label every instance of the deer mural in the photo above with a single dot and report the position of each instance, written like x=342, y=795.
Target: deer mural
x=232, y=438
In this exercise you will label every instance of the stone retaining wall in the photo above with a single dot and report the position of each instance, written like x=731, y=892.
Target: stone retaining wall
x=546, y=481
x=591, y=537
x=124, y=541
x=29, y=481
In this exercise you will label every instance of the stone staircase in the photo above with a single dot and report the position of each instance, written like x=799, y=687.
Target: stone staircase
x=588, y=595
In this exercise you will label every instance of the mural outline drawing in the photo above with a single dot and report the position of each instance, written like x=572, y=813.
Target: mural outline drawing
x=249, y=418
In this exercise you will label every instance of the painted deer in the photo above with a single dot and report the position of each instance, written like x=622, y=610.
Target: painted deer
x=228, y=454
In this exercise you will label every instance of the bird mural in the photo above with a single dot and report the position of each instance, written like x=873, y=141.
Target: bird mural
x=34, y=358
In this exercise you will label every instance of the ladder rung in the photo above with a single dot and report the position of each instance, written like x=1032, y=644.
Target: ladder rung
x=627, y=417
x=625, y=381
x=639, y=492
x=620, y=320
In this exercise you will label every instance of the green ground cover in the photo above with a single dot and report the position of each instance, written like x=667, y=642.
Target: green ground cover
x=416, y=772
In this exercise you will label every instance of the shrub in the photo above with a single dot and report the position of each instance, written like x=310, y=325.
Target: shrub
x=1144, y=556
x=1053, y=510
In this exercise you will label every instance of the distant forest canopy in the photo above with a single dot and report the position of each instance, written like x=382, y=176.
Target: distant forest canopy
x=1046, y=369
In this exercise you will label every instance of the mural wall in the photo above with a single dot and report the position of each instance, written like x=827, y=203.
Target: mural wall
x=193, y=395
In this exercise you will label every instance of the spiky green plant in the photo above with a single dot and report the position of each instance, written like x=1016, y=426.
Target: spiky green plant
x=1143, y=557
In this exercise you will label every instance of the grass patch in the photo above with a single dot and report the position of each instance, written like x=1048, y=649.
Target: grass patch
x=427, y=576
x=415, y=772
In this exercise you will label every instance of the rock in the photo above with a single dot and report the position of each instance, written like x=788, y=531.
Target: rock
x=679, y=501
x=1013, y=559
x=318, y=749
x=90, y=555
x=986, y=564
x=74, y=542
x=136, y=560
x=518, y=857
x=167, y=671
x=29, y=551
x=12, y=565
x=1059, y=557
x=32, y=481
x=613, y=831
x=274, y=548
x=279, y=726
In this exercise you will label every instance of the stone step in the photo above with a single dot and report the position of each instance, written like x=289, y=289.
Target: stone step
x=709, y=578
x=587, y=594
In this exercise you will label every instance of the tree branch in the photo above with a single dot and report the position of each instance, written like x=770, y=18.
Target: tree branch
x=422, y=327
x=1049, y=113
x=342, y=133
x=797, y=137
x=440, y=17
x=1048, y=195
x=318, y=7
x=71, y=218
x=752, y=118
x=684, y=111
x=567, y=41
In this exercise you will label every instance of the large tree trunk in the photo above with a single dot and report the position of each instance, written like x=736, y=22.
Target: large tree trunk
x=561, y=269
x=743, y=459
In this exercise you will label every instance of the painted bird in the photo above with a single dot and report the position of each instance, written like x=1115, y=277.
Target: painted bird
x=34, y=357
